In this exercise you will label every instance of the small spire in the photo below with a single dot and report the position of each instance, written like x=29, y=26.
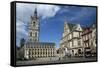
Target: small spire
x=35, y=12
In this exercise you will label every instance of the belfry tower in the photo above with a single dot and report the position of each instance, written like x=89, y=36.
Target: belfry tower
x=34, y=28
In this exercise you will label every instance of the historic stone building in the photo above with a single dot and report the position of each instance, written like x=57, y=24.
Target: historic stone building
x=89, y=40
x=71, y=41
x=39, y=50
x=33, y=48
x=34, y=28
x=94, y=38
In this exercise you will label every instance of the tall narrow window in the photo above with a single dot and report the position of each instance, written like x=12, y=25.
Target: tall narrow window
x=30, y=33
x=79, y=43
x=35, y=34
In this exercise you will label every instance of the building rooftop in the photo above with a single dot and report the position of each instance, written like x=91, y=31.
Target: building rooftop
x=38, y=44
x=71, y=26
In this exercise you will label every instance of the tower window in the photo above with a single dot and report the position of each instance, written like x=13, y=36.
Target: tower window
x=30, y=33
x=33, y=23
x=35, y=34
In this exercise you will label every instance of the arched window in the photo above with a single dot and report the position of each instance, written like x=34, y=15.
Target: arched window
x=79, y=51
x=72, y=51
x=33, y=23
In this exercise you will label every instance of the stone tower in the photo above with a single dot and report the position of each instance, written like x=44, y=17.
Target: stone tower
x=34, y=28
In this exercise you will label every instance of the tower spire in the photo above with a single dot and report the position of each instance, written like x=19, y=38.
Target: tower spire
x=35, y=12
x=34, y=28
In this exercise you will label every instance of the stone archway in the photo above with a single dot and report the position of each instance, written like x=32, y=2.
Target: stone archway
x=79, y=51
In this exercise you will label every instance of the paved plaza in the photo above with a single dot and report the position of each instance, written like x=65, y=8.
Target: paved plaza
x=55, y=60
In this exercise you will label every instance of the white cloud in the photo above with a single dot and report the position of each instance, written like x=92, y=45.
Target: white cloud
x=47, y=11
x=23, y=13
x=21, y=27
x=20, y=31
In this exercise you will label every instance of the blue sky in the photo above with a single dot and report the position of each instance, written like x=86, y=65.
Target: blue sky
x=52, y=18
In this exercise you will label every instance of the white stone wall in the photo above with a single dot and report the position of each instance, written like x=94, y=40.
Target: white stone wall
x=39, y=52
x=72, y=39
x=94, y=37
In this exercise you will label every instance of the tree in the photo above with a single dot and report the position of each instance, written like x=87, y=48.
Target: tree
x=22, y=42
